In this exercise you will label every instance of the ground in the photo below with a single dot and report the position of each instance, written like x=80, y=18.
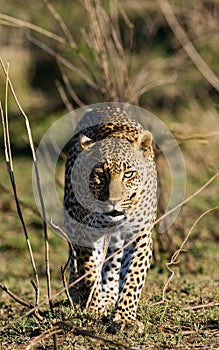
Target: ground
x=171, y=85
x=187, y=319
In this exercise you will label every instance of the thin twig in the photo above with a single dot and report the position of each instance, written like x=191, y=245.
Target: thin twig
x=71, y=91
x=15, y=296
x=202, y=306
x=21, y=301
x=85, y=333
x=63, y=233
x=63, y=269
x=187, y=45
x=47, y=334
x=38, y=187
x=61, y=23
x=194, y=194
x=173, y=260
x=66, y=63
x=63, y=96
x=66, y=326
x=9, y=163
x=22, y=203
x=21, y=23
x=65, y=284
x=5, y=125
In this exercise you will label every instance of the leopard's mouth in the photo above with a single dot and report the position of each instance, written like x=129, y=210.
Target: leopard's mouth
x=115, y=213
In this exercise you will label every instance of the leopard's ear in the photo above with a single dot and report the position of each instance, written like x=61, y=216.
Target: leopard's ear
x=85, y=142
x=145, y=140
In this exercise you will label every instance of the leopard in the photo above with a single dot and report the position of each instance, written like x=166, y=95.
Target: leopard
x=110, y=206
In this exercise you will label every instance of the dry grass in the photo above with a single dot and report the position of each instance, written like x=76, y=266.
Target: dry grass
x=114, y=73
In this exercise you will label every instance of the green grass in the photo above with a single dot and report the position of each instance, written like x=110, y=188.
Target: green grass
x=173, y=324
x=170, y=325
x=189, y=104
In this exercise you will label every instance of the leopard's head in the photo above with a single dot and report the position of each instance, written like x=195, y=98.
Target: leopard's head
x=113, y=172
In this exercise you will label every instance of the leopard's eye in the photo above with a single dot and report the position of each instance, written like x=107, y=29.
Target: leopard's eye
x=129, y=174
x=100, y=175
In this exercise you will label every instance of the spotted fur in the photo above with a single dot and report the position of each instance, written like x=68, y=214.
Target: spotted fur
x=110, y=199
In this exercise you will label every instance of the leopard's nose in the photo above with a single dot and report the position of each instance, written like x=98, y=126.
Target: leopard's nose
x=114, y=202
x=116, y=191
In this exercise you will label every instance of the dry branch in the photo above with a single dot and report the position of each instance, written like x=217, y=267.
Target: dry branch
x=104, y=39
x=63, y=96
x=65, y=284
x=67, y=326
x=61, y=23
x=187, y=45
x=71, y=91
x=202, y=306
x=21, y=301
x=9, y=163
x=174, y=261
x=66, y=63
x=63, y=268
x=22, y=203
x=9, y=20
x=45, y=335
x=38, y=188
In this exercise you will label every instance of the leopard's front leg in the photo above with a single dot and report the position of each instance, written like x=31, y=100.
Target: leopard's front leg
x=135, y=264
x=87, y=266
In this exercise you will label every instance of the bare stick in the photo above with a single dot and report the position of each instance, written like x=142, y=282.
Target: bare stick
x=63, y=269
x=61, y=23
x=64, y=326
x=21, y=23
x=21, y=301
x=202, y=306
x=173, y=260
x=83, y=332
x=71, y=90
x=65, y=282
x=15, y=296
x=38, y=184
x=63, y=233
x=22, y=203
x=9, y=163
x=45, y=335
x=63, y=96
x=66, y=63
x=196, y=193
x=187, y=45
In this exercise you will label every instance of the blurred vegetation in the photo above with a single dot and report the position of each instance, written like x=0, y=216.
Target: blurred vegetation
x=113, y=51
x=108, y=51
